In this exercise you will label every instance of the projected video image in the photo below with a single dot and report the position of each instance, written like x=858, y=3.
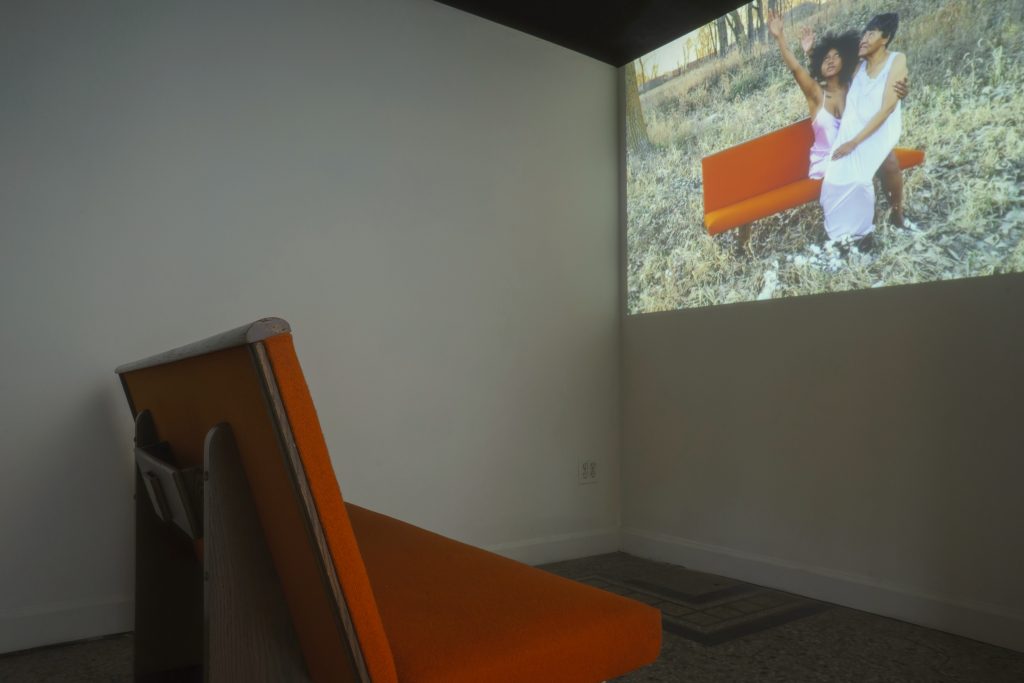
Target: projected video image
x=793, y=148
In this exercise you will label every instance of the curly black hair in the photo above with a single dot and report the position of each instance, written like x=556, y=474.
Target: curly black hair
x=846, y=44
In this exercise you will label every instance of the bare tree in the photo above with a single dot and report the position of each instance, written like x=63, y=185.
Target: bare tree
x=723, y=36
x=637, y=141
x=736, y=24
x=759, y=11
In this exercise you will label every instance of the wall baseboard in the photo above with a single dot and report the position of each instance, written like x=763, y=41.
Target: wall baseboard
x=38, y=626
x=980, y=621
x=33, y=627
x=560, y=547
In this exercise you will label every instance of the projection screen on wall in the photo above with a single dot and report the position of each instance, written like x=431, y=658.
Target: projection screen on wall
x=792, y=148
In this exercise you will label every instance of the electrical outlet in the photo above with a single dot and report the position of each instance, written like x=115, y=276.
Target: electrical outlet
x=587, y=471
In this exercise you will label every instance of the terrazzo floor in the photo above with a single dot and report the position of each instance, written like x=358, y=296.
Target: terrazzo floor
x=716, y=630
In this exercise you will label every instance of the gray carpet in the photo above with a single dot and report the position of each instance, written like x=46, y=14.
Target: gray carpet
x=715, y=629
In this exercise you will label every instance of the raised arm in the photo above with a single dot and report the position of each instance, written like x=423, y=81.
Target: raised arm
x=810, y=88
x=890, y=99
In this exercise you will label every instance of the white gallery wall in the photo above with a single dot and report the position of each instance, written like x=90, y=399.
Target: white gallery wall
x=861, y=448
x=430, y=199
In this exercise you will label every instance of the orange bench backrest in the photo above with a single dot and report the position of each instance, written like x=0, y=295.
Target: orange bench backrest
x=756, y=166
x=251, y=386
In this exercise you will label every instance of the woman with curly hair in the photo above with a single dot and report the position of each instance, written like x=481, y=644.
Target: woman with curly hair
x=833, y=62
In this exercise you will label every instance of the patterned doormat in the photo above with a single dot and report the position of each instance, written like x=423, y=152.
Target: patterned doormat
x=717, y=615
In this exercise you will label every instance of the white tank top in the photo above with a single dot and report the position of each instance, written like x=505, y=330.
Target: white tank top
x=864, y=100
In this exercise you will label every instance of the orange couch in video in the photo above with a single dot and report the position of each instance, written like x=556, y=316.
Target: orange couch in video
x=764, y=176
x=292, y=583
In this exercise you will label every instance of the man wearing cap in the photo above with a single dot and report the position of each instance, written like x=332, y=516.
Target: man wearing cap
x=870, y=129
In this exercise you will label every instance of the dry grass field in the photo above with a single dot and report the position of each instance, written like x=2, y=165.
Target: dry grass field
x=965, y=109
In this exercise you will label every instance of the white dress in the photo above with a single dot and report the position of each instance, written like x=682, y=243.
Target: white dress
x=825, y=128
x=847, y=192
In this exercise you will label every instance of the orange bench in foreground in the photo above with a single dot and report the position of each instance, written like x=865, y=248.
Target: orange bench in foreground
x=764, y=176
x=251, y=567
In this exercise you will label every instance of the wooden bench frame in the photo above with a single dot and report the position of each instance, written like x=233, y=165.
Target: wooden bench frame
x=236, y=615
x=246, y=633
x=232, y=609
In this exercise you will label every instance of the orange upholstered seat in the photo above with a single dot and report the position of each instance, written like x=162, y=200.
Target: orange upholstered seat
x=771, y=202
x=437, y=595
x=764, y=176
x=372, y=598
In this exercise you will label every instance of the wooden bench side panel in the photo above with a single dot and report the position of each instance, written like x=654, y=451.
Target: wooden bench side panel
x=186, y=398
x=249, y=632
x=757, y=166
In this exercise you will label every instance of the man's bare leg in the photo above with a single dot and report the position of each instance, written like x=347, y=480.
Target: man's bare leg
x=891, y=177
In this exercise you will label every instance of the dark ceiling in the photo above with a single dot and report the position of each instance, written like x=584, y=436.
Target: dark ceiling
x=613, y=31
